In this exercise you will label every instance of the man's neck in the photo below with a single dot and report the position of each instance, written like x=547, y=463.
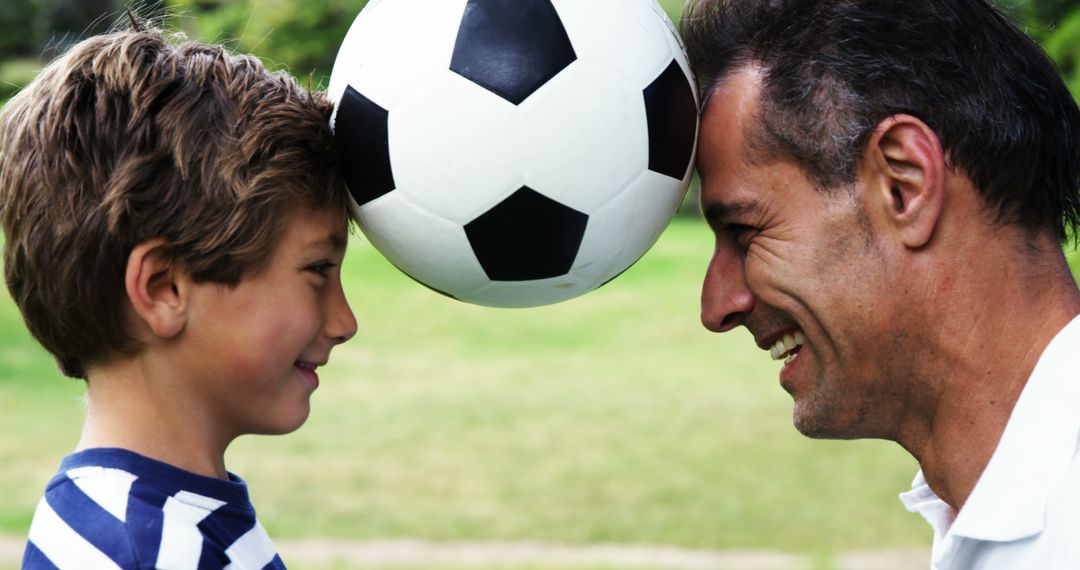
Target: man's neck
x=982, y=354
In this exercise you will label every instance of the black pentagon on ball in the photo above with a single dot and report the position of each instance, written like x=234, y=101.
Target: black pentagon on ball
x=511, y=47
x=527, y=236
x=672, y=116
x=360, y=130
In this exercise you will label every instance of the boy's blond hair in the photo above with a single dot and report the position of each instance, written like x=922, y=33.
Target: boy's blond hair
x=137, y=135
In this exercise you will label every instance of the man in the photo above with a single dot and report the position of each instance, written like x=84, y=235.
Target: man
x=888, y=182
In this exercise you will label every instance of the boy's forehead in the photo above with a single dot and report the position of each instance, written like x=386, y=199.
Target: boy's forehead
x=319, y=229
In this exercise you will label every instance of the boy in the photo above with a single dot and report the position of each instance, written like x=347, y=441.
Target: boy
x=174, y=227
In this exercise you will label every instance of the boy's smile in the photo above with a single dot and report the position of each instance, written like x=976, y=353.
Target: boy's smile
x=308, y=370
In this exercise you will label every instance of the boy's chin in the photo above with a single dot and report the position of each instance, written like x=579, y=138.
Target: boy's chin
x=285, y=424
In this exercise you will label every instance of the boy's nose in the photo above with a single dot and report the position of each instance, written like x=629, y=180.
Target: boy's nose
x=340, y=321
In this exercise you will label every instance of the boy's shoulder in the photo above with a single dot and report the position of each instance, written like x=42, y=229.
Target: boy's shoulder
x=124, y=510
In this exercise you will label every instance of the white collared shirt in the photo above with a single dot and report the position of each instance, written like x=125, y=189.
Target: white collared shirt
x=1024, y=512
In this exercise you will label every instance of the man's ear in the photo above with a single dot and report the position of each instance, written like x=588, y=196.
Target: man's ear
x=904, y=173
x=157, y=288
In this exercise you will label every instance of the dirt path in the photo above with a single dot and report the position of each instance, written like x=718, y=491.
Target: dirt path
x=417, y=553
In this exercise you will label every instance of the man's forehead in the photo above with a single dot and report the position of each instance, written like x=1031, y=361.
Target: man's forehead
x=728, y=124
x=730, y=121
x=742, y=83
x=736, y=92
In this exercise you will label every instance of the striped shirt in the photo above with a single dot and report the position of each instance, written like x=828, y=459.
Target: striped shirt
x=114, y=509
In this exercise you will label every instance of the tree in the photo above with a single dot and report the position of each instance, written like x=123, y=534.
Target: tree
x=300, y=35
x=21, y=28
x=1063, y=45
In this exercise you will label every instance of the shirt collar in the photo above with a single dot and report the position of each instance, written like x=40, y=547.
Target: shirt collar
x=1010, y=498
x=921, y=499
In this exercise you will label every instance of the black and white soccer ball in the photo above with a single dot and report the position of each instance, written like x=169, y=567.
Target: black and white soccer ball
x=514, y=153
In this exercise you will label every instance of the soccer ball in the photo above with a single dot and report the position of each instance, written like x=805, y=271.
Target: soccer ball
x=514, y=153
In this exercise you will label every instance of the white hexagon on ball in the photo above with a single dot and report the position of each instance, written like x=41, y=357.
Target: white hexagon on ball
x=443, y=136
x=389, y=64
x=525, y=151
x=635, y=44
x=550, y=123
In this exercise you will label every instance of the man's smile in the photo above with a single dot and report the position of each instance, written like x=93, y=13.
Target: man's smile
x=787, y=347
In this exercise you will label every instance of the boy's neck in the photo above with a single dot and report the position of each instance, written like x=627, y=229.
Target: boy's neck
x=128, y=409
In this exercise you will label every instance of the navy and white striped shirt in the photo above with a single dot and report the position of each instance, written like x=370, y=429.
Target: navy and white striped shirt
x=115, y=509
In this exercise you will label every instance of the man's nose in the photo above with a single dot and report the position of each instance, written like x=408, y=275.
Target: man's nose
x=726, y=301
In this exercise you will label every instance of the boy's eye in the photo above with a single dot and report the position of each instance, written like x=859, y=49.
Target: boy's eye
x=322, y=268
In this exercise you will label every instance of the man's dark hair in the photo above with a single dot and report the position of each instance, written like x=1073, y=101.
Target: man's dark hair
x=834, y=69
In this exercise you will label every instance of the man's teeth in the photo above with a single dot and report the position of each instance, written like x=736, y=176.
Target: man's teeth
x=783, y=347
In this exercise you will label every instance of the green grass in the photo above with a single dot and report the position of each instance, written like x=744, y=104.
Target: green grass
x=614, y=417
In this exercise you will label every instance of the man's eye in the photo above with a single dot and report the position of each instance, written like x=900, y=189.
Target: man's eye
x=322, y=268
x=742, y=233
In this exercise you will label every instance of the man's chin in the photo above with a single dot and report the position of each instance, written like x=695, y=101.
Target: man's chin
x=830, y=422
x=813, y=430
x=817, y=421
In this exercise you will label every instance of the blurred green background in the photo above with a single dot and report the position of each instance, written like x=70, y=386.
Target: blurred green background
x=613, y=418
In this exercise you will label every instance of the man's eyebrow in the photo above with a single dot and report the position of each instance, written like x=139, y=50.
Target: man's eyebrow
x=718, y=213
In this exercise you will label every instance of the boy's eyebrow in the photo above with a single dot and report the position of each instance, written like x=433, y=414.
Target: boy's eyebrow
x=334, y=241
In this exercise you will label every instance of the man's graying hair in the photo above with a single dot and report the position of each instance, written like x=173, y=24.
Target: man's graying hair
x=834, y=69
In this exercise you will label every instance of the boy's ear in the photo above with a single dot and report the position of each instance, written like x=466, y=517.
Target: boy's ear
x=157, y=288
x=904, y=171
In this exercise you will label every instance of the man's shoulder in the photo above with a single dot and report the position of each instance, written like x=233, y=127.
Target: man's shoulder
x=1063, y=505
x=1055, y=546
x=1025, y=509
